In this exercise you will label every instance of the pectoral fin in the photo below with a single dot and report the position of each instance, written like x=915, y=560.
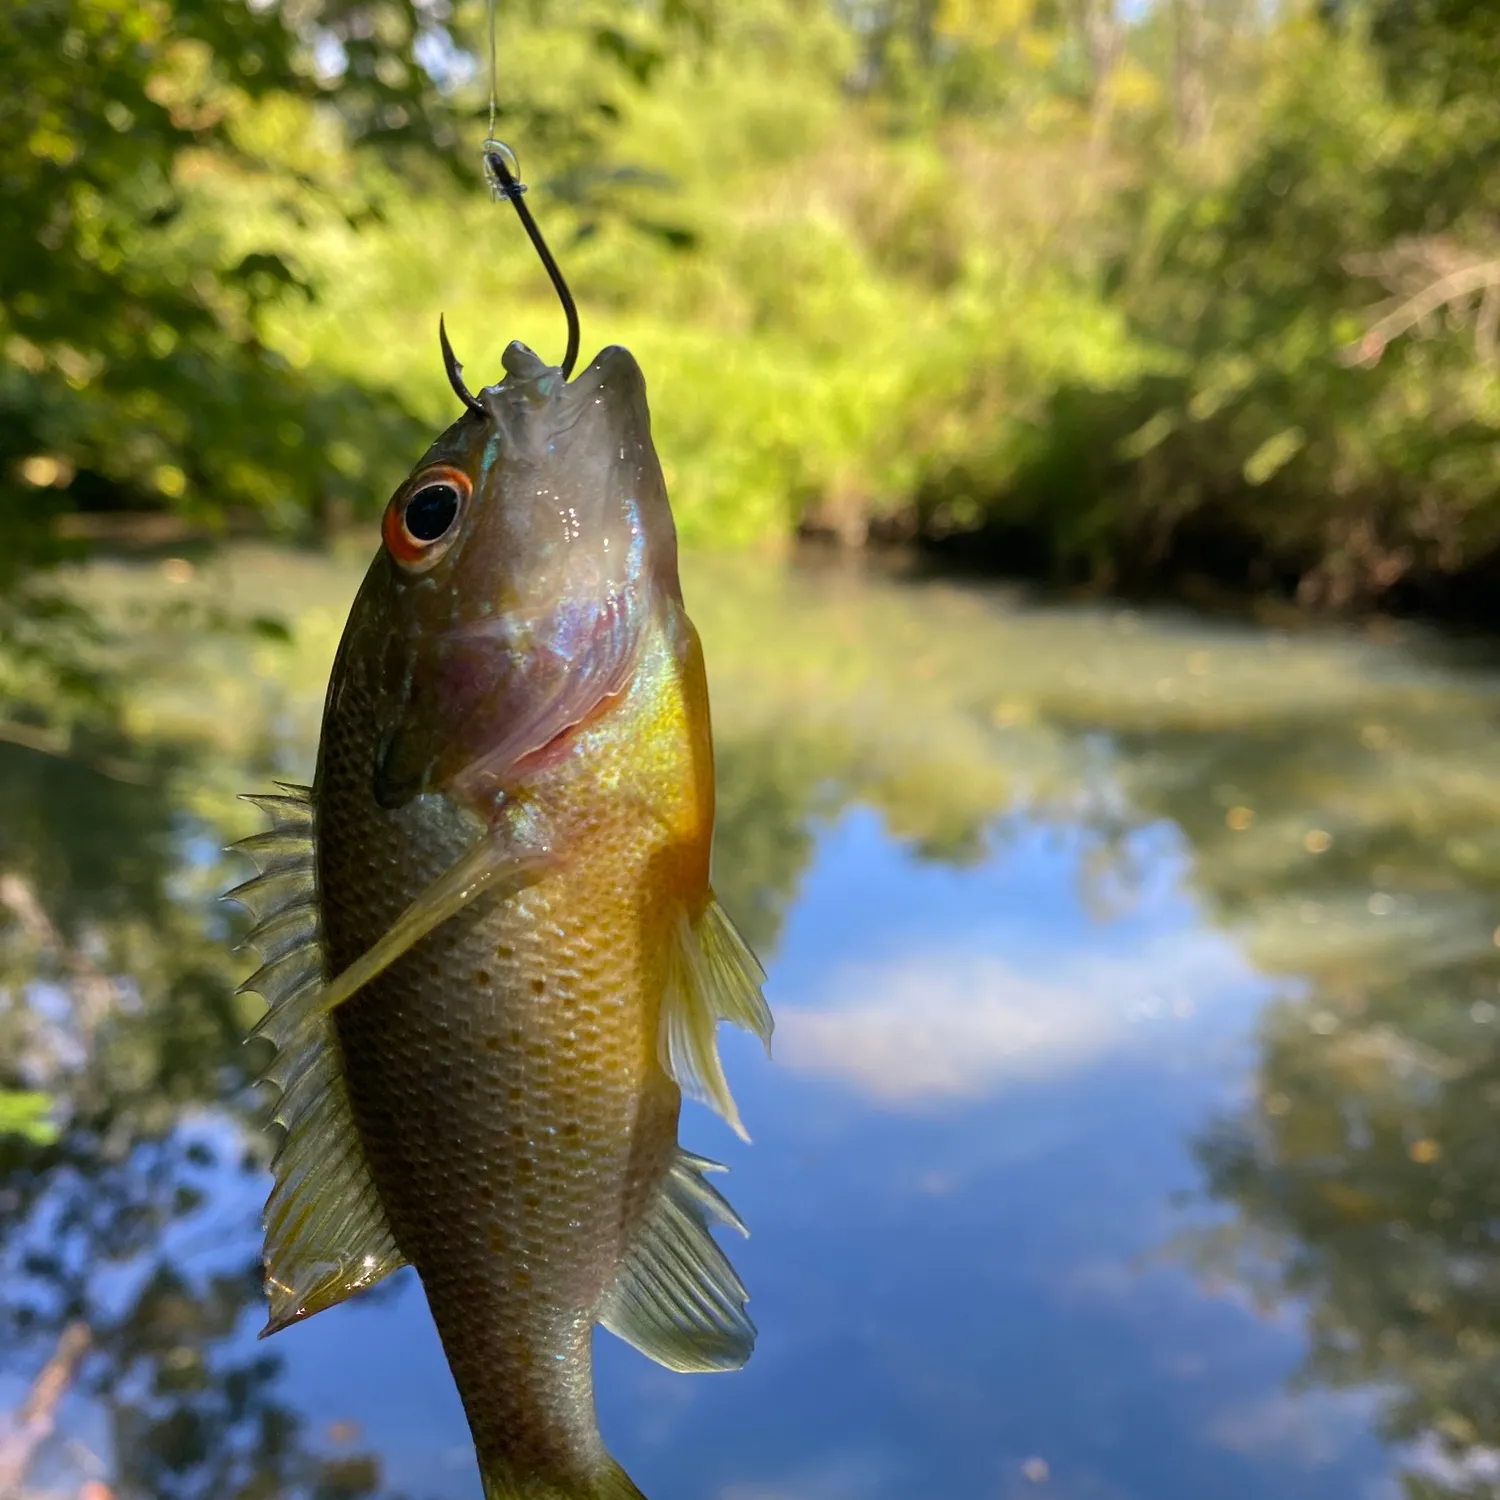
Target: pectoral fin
x=714, y=977
x=326, y=1231
x=678, y=1299
x=493, y=861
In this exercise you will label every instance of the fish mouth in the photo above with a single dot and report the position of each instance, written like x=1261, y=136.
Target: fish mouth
x=533, y=406
x=612, y=366
x=527, y=370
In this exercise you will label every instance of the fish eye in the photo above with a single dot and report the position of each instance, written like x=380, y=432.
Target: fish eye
x=431, y=511
x=422, y=520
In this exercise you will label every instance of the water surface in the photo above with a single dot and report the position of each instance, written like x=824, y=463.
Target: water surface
x=1131, y=1133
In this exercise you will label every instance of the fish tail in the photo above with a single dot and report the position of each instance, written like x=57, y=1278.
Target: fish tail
x=609, y=1482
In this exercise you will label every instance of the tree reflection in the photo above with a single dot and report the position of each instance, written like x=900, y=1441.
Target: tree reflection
x=1364, y=1177
x=763, y=832
x=1365, y=1185
x=1332, y=812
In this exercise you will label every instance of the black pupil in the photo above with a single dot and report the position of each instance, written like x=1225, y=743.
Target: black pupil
x=430, y=512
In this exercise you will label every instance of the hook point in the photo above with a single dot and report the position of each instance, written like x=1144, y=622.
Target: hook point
x=456, y=372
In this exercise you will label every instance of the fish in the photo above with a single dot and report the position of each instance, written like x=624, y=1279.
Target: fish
x=492, y=955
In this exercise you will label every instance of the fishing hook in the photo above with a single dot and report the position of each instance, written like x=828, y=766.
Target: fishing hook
x=505, y=184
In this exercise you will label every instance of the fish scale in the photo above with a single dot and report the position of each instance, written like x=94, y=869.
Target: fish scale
x=493, y=959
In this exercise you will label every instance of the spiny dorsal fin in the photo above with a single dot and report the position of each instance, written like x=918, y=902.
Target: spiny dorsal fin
x=678, y=1299
x=714, y=977
x=326, y=1233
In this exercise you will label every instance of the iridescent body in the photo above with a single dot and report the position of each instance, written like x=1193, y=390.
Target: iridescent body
x=510, y=830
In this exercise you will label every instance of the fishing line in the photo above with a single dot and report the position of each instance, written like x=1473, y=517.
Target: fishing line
x=503, y=173
x=490, y=6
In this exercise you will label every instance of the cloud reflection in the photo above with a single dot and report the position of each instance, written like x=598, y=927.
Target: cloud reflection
x=1309, y=1428
x=945, y=1025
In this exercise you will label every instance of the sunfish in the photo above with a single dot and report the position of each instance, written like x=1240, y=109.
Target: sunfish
x=492, y=955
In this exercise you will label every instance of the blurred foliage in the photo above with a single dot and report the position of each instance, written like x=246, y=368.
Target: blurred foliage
x=1298, y=441
x=136, y=370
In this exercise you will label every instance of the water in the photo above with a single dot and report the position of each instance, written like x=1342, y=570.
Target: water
x=1132, y=1130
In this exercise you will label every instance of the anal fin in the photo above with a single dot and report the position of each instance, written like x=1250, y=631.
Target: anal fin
x=678, y=1300
x=326, y=1231
x=714, y=977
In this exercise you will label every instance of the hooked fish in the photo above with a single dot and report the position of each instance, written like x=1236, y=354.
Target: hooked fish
x=493, y=958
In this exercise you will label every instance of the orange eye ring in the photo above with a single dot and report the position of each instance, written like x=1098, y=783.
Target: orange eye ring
x=421, y=522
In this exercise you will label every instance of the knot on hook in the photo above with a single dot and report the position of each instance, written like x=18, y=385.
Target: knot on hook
x=502, y=170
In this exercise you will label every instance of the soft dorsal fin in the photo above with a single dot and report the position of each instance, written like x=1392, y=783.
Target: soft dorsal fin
x=326, y=1232
x=678, y=1299
x=714, y=977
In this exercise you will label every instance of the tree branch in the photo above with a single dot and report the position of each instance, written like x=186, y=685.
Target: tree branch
x=1440, y=283
x=37, y=1415
x=94, y=993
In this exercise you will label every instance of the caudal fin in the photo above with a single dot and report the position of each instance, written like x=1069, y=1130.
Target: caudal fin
x=611, y=1482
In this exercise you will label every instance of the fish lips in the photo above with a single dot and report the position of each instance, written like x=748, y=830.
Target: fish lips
x=534, y=405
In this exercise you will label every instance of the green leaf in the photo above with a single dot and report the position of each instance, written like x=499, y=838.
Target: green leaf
x=27, y=1115
x=1274, y=454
